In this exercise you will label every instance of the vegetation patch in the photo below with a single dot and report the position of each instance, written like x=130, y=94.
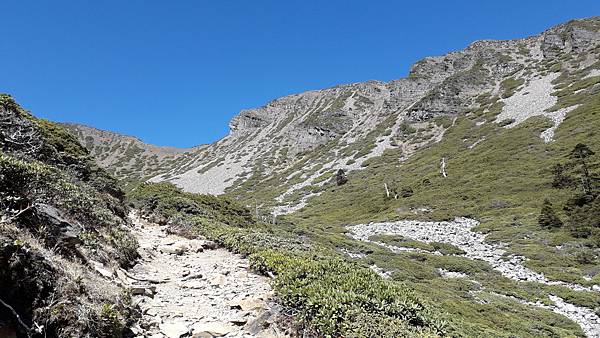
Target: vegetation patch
x=332, y=297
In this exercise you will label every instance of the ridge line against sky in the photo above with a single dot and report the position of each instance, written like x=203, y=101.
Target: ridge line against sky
x=175, y=74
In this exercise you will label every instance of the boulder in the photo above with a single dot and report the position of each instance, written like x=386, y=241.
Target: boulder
x=211, y=329
x=259, y=323
x=172, y=249
x=194, y=284
x=218, y=280
x=251, y=303
x=174, y=329
x=62, y=230
x=209, y=245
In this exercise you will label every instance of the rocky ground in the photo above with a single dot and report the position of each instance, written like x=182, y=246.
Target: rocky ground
x=191, y=288
x=534, y=99
x=459, y=234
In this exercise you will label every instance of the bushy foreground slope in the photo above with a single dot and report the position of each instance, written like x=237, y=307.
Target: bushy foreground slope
x=60, y=215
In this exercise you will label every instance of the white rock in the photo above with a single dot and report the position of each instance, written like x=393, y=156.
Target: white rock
x=194, y=284
x=211, y=329
x=218, y=280
x=251, y=303
x=99, y=267
x=174, y=329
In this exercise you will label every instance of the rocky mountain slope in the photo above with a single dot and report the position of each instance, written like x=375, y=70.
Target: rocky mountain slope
x=297, y=140
x=474, y=181
x=126, y=156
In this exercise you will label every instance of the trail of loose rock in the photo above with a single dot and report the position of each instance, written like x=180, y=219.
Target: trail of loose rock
x=459, y=234
x=191, y=288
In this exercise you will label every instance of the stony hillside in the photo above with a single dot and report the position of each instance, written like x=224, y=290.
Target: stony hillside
x=474, y=182
x=298, y=141
x=127, y=157
x=62, y=224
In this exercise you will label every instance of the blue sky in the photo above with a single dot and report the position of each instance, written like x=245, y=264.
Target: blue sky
x=175, y=72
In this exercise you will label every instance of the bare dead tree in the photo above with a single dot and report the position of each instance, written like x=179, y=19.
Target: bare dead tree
x=443, y=167
x=18, y=133
x=8, y=219
x=17, y=316
x=391, y=190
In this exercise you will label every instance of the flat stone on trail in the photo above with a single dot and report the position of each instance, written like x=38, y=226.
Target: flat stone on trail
x=235, y=303
x=142, y=290
x=172, y=249
x=239, y=319
x=250, y=304
x=194, y=284
x=174, y=329
x=218, y=280
x=196, y=245
x=212, y=329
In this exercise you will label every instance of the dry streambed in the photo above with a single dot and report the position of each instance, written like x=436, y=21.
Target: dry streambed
x=459, y=234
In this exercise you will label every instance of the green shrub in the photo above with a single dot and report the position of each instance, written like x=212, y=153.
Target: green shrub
x=548, y=218
x=406, y=129
x=110, y=323
x=447, y=249
x=510, y=86
x=584, y=216
x=333, y=296
x=169, y=200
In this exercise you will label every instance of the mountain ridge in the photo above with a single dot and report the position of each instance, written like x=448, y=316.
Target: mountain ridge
x=435, y=88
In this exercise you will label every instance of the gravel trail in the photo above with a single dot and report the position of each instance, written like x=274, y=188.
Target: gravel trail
x=191, y=288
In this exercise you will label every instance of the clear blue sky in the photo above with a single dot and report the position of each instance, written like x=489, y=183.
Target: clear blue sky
x=175, y=72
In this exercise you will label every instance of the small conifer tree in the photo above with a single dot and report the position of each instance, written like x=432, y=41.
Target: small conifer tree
x=548, y=218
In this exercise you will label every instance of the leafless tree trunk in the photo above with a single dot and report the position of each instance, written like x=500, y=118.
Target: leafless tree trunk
x=256, y=208
x=443, y=167
x=18, y=133
x=387, y=191
x=10, y=308
x=7, y=219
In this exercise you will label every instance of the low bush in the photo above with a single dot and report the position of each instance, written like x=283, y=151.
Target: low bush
x=330, y=296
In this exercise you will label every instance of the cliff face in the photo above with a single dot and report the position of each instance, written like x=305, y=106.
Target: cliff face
x=344, y=126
